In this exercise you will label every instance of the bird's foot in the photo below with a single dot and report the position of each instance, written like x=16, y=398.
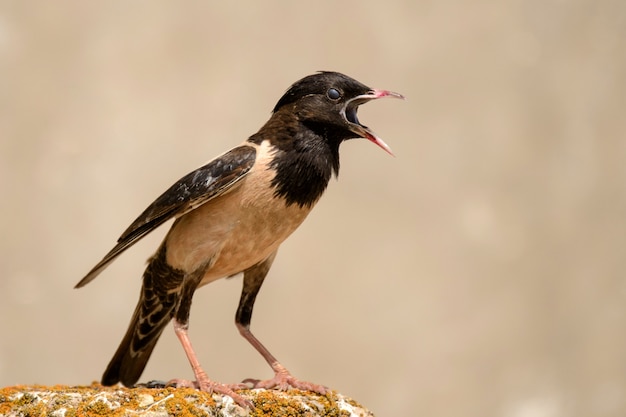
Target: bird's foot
x=203, y=383
x=283, y=380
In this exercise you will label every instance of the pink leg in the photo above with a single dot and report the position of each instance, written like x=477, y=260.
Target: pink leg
x=283, y=380
x=202, y=381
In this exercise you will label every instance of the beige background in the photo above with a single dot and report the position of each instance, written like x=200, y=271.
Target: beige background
x=479, y=273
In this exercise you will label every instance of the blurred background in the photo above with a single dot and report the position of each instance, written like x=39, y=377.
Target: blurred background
x=481, y=272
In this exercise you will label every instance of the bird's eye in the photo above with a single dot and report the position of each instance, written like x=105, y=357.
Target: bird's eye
x=333, y=93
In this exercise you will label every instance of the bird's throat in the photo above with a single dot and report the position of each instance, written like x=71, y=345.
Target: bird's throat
x=303, y=174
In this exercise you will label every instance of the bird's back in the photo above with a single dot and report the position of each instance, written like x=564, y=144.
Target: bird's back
x=238, y=230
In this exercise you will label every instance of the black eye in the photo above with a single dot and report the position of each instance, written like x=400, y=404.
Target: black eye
x=333, y=93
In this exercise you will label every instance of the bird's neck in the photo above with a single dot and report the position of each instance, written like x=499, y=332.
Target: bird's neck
x=304, y=159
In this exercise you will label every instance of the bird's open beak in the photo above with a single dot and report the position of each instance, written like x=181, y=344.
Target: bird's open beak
x=351, y=107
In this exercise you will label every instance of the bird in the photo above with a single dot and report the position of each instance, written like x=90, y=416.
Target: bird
x=230, y=217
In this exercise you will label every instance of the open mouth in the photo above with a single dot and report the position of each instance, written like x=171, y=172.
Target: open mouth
x=351, y=114
x=350, y=110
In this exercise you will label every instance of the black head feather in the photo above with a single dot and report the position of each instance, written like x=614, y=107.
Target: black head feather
x=319, y=84
x=308, y=124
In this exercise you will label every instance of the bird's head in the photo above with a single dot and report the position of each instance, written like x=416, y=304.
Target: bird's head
x=328, y=102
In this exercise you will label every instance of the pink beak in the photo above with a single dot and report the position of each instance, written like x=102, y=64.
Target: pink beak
x=358, y=128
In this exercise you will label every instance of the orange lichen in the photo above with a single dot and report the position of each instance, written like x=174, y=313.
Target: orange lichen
x=95, y=400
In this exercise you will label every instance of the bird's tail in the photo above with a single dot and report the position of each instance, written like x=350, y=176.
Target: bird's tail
x=160, y=296
x=133, y=353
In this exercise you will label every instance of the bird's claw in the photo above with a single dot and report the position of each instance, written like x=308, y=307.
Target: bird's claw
x=284, y=381
x=206, y=385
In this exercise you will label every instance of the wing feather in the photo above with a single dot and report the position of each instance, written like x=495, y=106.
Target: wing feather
x=194, y=189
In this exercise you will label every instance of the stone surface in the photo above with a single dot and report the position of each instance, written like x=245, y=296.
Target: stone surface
x=96, y=400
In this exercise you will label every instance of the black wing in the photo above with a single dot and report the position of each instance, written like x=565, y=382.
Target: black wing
x=188, y=193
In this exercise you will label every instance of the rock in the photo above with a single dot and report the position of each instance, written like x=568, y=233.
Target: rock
x=96, y=400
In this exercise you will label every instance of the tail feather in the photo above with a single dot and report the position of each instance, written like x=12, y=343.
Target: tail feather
x=159, y=300
x=128, y=362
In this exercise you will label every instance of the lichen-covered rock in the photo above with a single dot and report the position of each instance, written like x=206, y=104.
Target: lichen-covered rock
x=96, y=400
